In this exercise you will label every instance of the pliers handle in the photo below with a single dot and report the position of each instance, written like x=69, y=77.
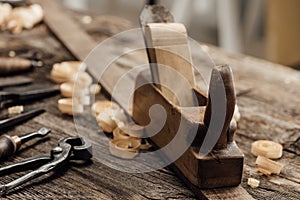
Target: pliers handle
x=72, y=148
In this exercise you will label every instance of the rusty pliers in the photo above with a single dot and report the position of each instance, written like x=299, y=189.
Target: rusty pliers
x=70, y=148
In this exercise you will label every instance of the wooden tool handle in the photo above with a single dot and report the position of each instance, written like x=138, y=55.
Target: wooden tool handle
x=169, y=44
x=221, y=78
x=154, y=14
x=14, y=65
x=7, y=146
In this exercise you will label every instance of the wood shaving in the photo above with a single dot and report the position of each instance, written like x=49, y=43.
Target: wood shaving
x=145, y=146
x=134, y=130
x=15, y=110
x=268, y=166
x=69, y=107
x=106, y=122
x=264, y=171
x=95, y=89
x=118, y=133
x=124, y=148
x=99, y=106
x=127, y=140
x=70, y=72
x=253, y=183
x=109, y=119
x=266, y=148
x=5, y=12
x=84, y=100
x=20, y=18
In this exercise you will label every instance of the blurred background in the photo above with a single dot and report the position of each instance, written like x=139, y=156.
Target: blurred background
x=268, y=29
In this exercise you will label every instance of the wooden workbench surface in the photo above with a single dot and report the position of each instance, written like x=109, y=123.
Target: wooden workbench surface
x=268, y=97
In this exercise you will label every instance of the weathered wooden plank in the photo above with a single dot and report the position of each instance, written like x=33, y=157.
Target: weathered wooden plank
x=63, y=28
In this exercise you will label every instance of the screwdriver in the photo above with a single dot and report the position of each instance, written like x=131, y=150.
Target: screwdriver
x=10, y=144
x=16, y=65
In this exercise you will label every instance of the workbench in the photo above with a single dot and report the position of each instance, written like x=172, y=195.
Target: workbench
x=268, y=97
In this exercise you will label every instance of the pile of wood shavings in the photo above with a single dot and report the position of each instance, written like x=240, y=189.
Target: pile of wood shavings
x=76, y=86
x=126, y=142
x=266, y=150
x=19, y=18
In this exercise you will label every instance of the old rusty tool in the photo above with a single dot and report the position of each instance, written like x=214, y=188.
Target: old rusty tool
x=8, y=122
x=9, y=145
x=8, y=99
x=16, y=65
x=220, y=165
x=68, y=149
x=14, y=81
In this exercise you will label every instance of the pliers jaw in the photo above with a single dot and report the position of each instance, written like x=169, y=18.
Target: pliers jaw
x=70, y=148
x=81, y=148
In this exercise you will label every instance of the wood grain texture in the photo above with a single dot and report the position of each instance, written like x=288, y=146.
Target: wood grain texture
x=268, y=97
x=222, y=166
x=168, y=45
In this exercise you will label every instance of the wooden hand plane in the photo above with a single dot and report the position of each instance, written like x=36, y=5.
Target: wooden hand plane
x=205, y=164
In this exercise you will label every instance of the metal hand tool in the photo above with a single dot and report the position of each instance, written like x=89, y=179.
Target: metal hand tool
x=8, y=99
x=14, y=81
x=7, y=122
x=10, y=144
x=70, y=148
x=14, y=2
x=17, y=65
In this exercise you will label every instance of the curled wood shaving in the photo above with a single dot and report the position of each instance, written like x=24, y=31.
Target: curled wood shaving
x=75, y=86
x=5, y=12
x=106, y=122
x=124, y=148
x=134, y=130
x=95, y=89
x=145, y=146
x=109, y=119
x=84, y=100
x=69, y=89
x=99, y=106
x=120, y=134
x=66, y=89
x=266, y=148
x=69, y=72
x=267, y=166
x=20, y=18
x=69, y=107
x=127, y=140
